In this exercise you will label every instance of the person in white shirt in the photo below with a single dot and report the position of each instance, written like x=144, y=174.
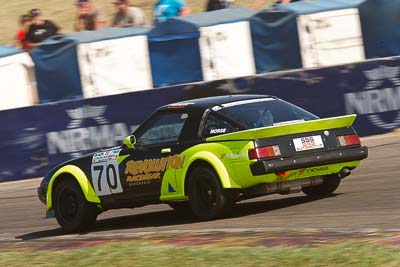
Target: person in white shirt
x=127, y=15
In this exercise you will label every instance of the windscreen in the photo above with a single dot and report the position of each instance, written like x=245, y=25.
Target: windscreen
x=264, y=112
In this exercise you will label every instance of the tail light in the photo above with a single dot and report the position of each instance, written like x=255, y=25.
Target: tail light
x=349, y=140
x=264, y=152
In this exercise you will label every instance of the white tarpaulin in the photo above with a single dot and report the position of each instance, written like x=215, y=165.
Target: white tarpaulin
x=330, y=38
x=114, y=66
x=226, y=51
x=17, y=86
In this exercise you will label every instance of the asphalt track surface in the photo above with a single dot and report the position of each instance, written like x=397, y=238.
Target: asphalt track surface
x=368, y=199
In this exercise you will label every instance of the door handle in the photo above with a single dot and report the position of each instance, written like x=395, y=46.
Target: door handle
x=165, y=150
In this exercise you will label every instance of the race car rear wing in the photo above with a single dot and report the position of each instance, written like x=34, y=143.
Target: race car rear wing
x=293, y=128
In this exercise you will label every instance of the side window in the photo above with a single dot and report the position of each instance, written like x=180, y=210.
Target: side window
x=216, y=126
x=163, y=128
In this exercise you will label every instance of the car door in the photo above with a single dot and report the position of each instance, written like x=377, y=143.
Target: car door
x=154, y=157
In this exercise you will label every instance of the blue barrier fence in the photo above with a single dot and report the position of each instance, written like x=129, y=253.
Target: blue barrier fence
x=357, y=30
x=37, y=138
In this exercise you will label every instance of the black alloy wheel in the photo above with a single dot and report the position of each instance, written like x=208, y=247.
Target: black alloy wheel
x=72, y=211
x=207, y=199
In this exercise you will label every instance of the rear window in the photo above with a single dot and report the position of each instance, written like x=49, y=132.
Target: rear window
x=264, y=112
x=217, y=125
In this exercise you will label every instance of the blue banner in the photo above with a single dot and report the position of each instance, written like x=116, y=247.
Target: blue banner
x=37, y=138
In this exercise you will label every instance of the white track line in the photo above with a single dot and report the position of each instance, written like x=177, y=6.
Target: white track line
x=125, y=235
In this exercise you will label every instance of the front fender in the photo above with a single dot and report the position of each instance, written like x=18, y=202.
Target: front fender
x=80, y=177
x=218, y=166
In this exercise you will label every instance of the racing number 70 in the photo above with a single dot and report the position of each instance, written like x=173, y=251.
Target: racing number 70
x=105, y=178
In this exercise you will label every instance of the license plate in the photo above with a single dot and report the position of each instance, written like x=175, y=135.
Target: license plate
x=308, y=143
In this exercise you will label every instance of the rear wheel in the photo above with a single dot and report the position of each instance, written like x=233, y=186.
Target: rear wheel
x=207, y=199
x=328, y=186
x=71, y=209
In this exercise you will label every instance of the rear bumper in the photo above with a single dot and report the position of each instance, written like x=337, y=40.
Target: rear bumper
x=263, y=167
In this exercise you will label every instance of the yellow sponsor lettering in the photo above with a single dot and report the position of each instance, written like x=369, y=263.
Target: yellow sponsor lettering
x=143, y=177
x=139, y=166
x=179, y=162
x=163, y=164
x=151, y=169
x=155, y=165
x=171, y=160
x=146, y=166
x=129, y=167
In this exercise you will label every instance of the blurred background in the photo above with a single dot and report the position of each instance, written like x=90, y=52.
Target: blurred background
x=330, y=57
x=63, y=12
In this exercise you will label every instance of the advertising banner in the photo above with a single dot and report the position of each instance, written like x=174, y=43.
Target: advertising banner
x=320, y=33
x=37, y=138
x=92, y=63
x=330, y=38
x=219, y=46
x=18, y=85
x=115, y=66
x=370, y=89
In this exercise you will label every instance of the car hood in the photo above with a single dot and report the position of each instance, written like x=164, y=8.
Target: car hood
x=293, y=128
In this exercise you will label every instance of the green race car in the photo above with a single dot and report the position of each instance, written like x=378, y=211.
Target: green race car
x=205, y=155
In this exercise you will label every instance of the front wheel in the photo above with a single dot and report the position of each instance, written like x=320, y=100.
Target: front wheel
x=328, y=186
x=207, y=199
x=72, y=211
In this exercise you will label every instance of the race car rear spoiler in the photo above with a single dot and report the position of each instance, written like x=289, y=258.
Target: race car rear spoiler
x=294, y=128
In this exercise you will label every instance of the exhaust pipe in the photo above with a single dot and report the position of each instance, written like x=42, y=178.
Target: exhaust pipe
x=284, y=188
x=288, y=187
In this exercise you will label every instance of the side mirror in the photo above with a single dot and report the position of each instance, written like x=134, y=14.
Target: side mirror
x=130, y=141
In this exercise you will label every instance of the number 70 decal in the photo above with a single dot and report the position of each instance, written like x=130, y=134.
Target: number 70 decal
x=105, y=178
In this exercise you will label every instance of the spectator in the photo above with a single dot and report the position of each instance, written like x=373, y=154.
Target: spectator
x=89, y=18
x=218, y=4
x=20, y=37
x=39, y=30
x=257, y=4
x=166, y=9
x=286, y=1
x=127, y=15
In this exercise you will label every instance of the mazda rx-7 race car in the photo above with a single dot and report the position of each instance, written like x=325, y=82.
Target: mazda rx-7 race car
x=205, y=155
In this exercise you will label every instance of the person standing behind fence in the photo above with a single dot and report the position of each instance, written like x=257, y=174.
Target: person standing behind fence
x=258, y=3
x=40, y=29
x=20, y=36
x=89, y=18
x=218, y=4
x=127, y=15
x=166, y=9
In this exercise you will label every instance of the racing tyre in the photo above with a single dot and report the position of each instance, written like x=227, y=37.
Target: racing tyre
x=328, y=186
x=71, y=209
x=207, y=199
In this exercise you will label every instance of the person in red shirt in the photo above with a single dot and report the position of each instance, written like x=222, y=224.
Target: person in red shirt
x=20, y=36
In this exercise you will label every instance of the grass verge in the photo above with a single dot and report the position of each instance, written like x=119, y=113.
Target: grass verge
x=135, y=253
